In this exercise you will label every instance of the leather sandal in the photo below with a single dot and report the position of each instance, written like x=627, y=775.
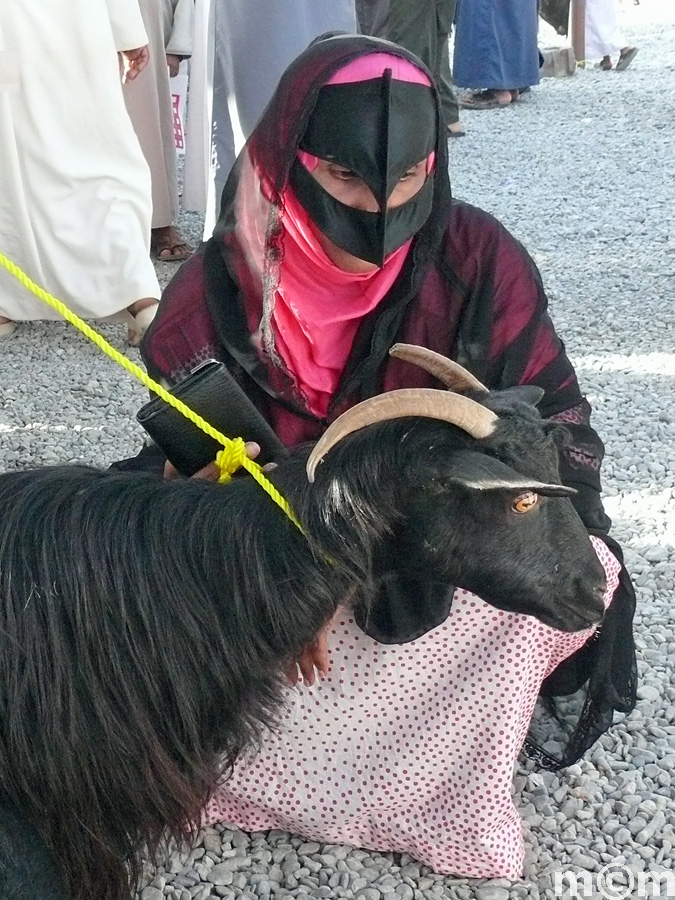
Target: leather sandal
x=488, y=99
x=625, y=59
x=166, y=245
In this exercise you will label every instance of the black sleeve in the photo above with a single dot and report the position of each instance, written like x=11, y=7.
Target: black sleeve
x=580, y=461
x=149, y=459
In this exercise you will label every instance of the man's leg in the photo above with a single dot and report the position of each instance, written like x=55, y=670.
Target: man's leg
x=412, y=24
x=445, y=16
x=423, y=27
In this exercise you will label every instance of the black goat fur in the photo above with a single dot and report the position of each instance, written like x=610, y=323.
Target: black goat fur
x=143, y=630
x=145, y=625
x=27, y=870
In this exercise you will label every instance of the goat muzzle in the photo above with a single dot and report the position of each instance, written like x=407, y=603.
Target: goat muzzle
x=428, y=403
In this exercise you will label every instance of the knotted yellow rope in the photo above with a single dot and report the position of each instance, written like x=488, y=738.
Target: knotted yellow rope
x=230, y=458
x=233, y=455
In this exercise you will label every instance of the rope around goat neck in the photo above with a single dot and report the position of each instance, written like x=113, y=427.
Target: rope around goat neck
x=228, y=460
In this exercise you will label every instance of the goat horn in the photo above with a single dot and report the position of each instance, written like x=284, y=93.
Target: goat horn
x=453, y=376
x=463, y=412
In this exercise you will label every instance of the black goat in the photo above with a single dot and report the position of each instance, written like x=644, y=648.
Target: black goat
x=145, y=625
x=478, y=506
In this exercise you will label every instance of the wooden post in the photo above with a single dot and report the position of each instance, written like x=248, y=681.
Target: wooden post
x=578, y=30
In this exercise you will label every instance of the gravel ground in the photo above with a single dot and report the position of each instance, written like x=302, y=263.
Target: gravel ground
x=582, y=171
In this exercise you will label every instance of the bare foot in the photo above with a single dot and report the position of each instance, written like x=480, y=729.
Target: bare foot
x=7, y=327
x=456, y=129
x=141, y=313
x=167, y=245
x=143, y=303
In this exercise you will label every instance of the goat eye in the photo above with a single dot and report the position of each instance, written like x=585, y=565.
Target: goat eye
x=525, y=502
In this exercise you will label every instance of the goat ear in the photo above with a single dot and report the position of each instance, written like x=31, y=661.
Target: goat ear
x=521, y=393
x=404, y=608
x=484, y=473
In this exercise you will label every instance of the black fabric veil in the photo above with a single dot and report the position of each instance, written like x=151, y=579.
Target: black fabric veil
x=250, y=205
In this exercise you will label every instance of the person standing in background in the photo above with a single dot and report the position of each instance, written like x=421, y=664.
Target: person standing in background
x=604, y=37
x=423, y=27
x=496, y=53
x=169, y=25
x=240, y=51
x=74, y=188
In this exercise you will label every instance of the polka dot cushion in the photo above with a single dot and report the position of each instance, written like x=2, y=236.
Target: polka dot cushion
x=409, y=748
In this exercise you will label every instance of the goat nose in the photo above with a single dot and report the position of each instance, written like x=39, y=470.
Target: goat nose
x=592, y=583
x=596, y=608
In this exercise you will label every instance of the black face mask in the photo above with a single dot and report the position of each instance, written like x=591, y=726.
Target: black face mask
x=377, y=129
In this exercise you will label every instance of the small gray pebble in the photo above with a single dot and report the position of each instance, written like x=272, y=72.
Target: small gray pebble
x=152, y=893
x=492, y=893
x=369, y=893
x=201, y=892
x=404, y=891
x=622, y=836
x=308, y=849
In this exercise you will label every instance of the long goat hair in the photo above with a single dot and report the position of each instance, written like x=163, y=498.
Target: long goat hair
x=143, y=629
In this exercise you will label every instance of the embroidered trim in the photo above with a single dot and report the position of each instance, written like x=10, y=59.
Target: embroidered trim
x=273, y=257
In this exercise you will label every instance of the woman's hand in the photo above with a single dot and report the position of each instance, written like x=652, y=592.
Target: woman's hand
x=313, y=659
x=208, y=473
x=211, y=472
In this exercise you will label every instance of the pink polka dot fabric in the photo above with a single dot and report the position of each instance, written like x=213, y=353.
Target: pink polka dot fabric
x=410, y=748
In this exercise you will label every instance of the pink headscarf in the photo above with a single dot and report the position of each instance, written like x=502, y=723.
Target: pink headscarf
x=318, y=306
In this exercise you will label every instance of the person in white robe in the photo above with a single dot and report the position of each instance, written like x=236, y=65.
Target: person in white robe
x=240, y=50
x=75, y=201
x=603, y=36
x=169, y=25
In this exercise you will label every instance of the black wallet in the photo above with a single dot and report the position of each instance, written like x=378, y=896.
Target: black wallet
x=211, y=391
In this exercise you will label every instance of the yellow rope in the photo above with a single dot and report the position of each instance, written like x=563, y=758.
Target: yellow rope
x=229, y=459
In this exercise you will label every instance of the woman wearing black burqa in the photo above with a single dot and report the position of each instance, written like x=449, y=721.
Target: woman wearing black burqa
x=303, y=288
